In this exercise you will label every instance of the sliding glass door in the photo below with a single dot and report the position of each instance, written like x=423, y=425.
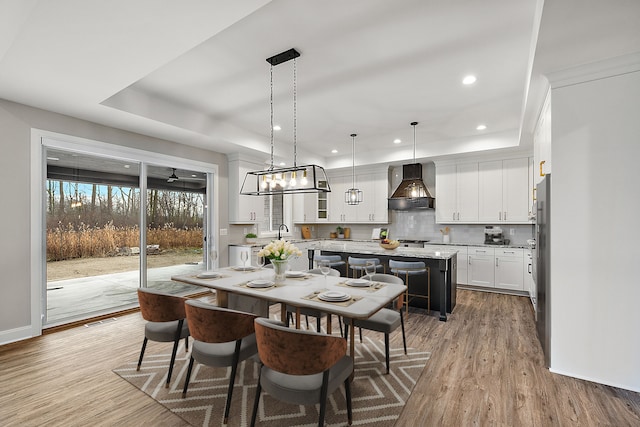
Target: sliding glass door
x=96, y=254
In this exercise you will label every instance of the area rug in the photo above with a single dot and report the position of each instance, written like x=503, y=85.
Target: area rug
x=377, y=398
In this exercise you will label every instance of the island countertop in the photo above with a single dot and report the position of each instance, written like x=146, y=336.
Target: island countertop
x=373, y=248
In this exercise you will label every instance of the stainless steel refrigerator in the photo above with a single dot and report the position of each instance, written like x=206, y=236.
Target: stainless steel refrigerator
x=542, y=263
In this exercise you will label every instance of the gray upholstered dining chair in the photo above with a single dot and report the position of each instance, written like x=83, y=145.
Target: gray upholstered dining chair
x=386, y=320
x=222, y=337
x=301, y=367
x=357, y=265
x=335, y=261
x=311, y=311
x=166, y=322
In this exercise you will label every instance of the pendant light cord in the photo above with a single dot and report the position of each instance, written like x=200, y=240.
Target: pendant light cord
x=414, y=140
x=271, y=111
x=353, y=160
x=295, y=114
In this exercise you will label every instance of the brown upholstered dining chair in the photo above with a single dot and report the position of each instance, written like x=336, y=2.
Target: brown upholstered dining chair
x=221, y=337
x=301, y=367
x=166, y=322
x=386, y=320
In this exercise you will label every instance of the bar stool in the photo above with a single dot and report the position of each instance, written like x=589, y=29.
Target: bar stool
x=412, y=268
x=357, y=265
x=335, y=262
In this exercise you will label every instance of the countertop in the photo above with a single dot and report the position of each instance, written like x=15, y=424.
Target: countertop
x=262, y=242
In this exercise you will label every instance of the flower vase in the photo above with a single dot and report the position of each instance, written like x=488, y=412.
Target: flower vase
x=445, y=238
x=280, y=268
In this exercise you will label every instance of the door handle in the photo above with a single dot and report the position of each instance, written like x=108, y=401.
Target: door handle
x=542, y=163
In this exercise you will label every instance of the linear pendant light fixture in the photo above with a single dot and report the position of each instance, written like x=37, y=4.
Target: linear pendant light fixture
x=353, y=196
x=296, y=179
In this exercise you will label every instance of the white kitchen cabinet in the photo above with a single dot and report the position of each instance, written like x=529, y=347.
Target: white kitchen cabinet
x=529, y=283
x=457, y=193
x=503, y=191
x=508, y=269
x=339, y=211
x=480, y=267
x=243, y=209
x=542, y=142
x=374, y=207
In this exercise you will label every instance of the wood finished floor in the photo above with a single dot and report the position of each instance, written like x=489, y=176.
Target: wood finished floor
x=486, y=368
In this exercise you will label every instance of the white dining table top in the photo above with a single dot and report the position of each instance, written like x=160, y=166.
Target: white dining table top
x=294, y=290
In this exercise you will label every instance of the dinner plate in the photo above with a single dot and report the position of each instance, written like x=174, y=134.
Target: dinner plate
x=241, y=268
x=334, y=296
x=359, y=283
x=260, y=283
x=208, y=275
x=295, y=273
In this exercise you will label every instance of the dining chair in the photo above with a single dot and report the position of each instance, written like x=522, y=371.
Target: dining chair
x=357, y=265
x=312, y=311
x=166, y=322
x=409, y=269
x=386, y=320
x=301, y=367
x=222, y=337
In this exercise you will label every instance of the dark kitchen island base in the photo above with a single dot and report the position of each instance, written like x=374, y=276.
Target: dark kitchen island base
x=442, y=271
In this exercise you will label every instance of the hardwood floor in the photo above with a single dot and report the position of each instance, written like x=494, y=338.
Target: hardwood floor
x=486, y=369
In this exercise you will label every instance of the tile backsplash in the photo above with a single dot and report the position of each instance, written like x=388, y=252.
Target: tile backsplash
x=421, y=225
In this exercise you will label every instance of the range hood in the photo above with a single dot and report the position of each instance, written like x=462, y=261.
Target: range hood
x=401, y=200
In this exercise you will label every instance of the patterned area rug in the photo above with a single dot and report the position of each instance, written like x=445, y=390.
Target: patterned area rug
x=377, y=398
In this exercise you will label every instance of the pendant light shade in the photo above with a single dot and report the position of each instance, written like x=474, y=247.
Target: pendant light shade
x=353, y=196
x=415, y=190
x=295, y=179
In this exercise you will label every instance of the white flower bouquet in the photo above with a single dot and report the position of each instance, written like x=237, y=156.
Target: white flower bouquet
x=280, y=250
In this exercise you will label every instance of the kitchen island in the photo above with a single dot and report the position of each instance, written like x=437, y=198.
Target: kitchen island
x=442, y=267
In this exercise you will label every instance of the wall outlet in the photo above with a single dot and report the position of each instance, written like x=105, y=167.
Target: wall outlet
x=512, y=232
x=223, y=231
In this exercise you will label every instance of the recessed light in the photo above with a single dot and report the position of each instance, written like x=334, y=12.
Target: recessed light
x=481, y=127
x=277, y=127
x=282, y=163
x=127, y=166
x=53, y=158
x=334, y=151
x=397, y=141
x=193, y=175
x=469, y=80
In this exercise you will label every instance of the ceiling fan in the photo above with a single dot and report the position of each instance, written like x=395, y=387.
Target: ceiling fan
x=173, y=176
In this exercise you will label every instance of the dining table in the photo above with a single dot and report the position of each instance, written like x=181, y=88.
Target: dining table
x=349, y=298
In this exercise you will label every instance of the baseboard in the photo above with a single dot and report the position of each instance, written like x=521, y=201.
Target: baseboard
x=597, y=381
x=17, y=334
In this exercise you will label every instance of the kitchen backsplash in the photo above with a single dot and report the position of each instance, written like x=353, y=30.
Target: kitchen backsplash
x=421, y=225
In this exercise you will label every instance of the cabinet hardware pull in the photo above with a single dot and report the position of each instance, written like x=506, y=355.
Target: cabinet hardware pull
x=499, y=216
x=453, y=217
x=505, y=215
x=478, y=250
x=469, y=260
x=534, y=194
x=542, y=163
x=529, y=268
x=496, y=262
x=509, y=252
x=458, y=216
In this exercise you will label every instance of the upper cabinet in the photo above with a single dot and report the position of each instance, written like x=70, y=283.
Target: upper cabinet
x=243, y=209
x=542, y=142
x=493, y=191
x=332, y=208
x=457, y=193
x=503, y=191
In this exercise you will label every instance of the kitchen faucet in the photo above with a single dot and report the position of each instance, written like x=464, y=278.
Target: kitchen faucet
x=280, y=228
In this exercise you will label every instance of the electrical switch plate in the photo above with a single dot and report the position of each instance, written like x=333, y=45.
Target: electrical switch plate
x=223, y=231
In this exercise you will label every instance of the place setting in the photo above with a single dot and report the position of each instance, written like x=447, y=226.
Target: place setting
x=334, y=297
x=362, y=283
x=259, y=284
x=298, y=275
x=210, y=274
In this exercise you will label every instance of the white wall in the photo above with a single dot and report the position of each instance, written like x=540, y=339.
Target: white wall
x=595, y=209
x=16, y=122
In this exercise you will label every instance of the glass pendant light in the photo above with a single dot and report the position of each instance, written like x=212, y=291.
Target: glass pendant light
x=353, y=196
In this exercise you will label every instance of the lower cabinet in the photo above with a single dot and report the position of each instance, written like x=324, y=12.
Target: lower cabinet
x=509, y=269
x=480, y=267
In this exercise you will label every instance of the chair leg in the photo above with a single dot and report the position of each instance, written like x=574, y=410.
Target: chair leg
x=144, y=346
x=386, y=350
x=404, y=339
x=347, y=393
x=318, y=323
x=306, y=318
x=187, y=378
x=323, y=397
x=234, y=369
x=340, y=323
x=256, y=400
x=175, y=350
x=360, y=329
x=186, y=344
